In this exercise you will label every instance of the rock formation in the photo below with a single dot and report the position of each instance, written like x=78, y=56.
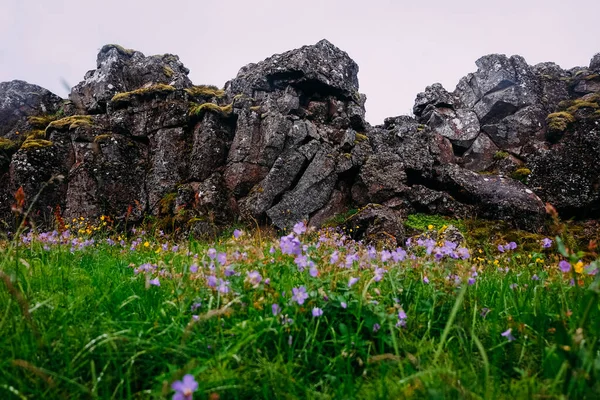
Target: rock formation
x=287, y=140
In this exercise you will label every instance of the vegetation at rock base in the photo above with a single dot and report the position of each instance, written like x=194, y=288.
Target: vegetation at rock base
x=425, y=222
x=205, y=91
x=33, y=144
x=198, y=110
x=126, y=97
x=89, y=311
x=71, y=122
x=559, y=121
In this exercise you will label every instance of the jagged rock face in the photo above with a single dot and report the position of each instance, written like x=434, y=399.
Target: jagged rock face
x=515, y=131
x=322, y=68
x=286, y=140
x=19, y=100
x=123, y=70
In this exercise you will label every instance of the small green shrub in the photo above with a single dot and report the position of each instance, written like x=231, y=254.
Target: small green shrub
x=36, y=144
x=521, y=174
x=422, y=222
x=205, y=91
x=500, y=155
x=198, y=110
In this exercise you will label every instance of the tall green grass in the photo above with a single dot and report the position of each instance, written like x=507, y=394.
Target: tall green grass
x=81, y=324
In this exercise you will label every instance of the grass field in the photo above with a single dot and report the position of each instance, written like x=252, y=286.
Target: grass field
x=90, y=314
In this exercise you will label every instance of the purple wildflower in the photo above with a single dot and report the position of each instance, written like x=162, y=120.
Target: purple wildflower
x=463, y=253
x=299, y=228
x=513, y=286
x=290, y=245
x=275, y=309
x=314, y=272
x=211, y=281
x=154, y=282
x=196, y=306
x=343, y=304
x=184, y=388
x=317, y=312
x=535, y=277
x=376, y=327
x=546, y=243
x=501, y=248
x=425, y=279
x=385, y=255
x=379, y=274
x=212, y=253
x=193, y=268
x=222, y=258
x=511, y=246
x=237, y=233
x=224, y=286
x=299, y=295
x=508, y=334
x=471, y=281
x=398, y=255
x=352, y=281
x=564, y=266
x=253, y=277
x=484, y=312
x=334, y=257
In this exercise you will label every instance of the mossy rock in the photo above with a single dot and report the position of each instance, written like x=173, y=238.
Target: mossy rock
x=7, y=144
x=41, y=121
x=559, y=121
x=168, y=71
x=72, y=122
x=205, y=91
x=578, y=104
x=500, y=155
x=198, y=110
x=126, y=97
x=120, y=49
x=35, y=134
x=256, y=109
x=360, y=137
x=521, y=174
x=36, y=144
x=104, y=138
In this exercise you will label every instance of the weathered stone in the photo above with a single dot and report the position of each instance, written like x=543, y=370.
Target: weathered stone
x=376, y=224
x=494, y=197
x=481, y=154
x=526, y=125
x=319, y=68
x=595, y=63
x=461, y=127
x=19, y=100
x=434, y=95
x=122, y=70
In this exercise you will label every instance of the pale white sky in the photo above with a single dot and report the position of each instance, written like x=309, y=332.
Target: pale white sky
x=400, y=46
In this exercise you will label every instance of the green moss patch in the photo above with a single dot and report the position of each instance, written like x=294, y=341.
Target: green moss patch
x=104, y=138
x=120, y=49
x=168, y=71
x=7, y=144
x=500, y=155
x=126, y=97
x=559, y=121
x=41, y=121
x=521, y=174
x=205, y=91
x=198, y=110
x=72, y=122
x=31, y=144
x=578, y=104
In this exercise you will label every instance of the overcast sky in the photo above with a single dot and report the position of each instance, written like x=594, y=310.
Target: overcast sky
x=401, y=47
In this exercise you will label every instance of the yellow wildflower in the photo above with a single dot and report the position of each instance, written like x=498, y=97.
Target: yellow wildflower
x=579, y=267
x=430, y=227
x=146, y=244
